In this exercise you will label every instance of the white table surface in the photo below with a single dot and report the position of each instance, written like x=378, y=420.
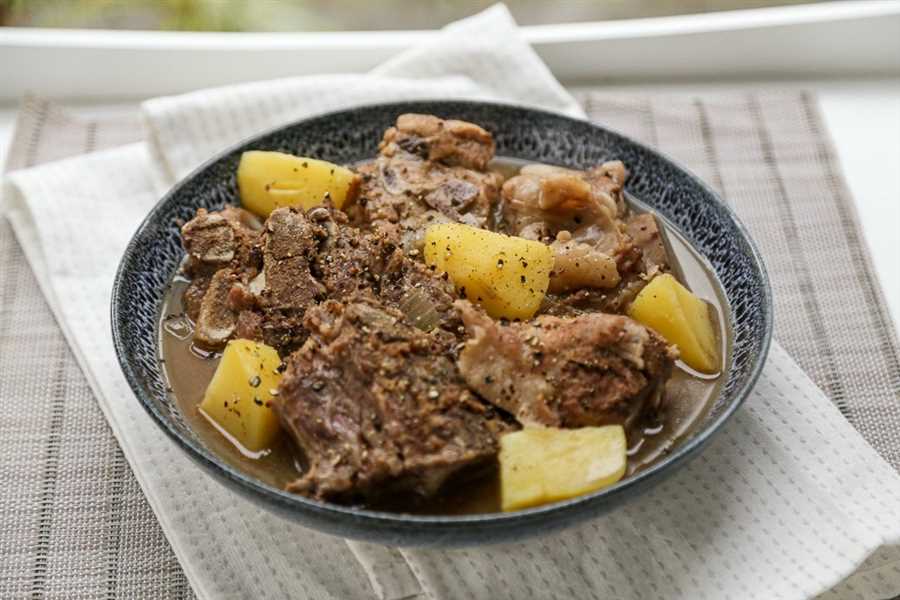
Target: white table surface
x=862, y=116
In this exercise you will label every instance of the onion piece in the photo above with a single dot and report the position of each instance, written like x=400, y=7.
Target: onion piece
x=419, y=310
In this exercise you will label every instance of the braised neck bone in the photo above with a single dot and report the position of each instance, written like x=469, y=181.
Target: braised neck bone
x=604, y=253
x=218, y=239
x=220, y=256
x=454, y=143
x=377, y=408
x=576, y=212
x=428, y=171
x=594, y=369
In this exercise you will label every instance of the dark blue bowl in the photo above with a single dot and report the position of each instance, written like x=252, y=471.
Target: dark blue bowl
x=155, y=252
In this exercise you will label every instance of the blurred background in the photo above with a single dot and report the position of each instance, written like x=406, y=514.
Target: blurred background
x=334, y=15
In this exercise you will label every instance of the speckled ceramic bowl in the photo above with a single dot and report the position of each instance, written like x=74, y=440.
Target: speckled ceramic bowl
x=155, y=252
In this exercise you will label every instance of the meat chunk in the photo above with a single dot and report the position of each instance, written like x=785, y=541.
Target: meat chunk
x=588, y=300
x=347, y=260
x=577, y=213
x=644, y=232
x=647, y=255
x=216, y=239
x=221, y=255
x=454, y=143
x=594, y=369
x=577, y=265
x=290, y=245
x=216, y=320
x=249, y=326
x=603, y=254
x=209, y=239
x=377, y=409
x=350, y=261
x=429, y=171
x=290, y=281
x=192, y=298
x=543, y=200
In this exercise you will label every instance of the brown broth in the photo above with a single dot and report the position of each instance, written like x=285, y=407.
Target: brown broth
x=689, y=395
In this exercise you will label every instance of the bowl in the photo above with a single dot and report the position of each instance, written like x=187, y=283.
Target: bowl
x=155, y=253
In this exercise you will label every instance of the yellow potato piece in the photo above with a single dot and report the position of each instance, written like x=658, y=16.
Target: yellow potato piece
x=508, y=276
x=682, y=318
x=539, y=466
x=239, y=399
x=270, y=180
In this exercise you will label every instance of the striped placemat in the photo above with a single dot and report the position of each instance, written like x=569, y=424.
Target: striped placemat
x=73, y=520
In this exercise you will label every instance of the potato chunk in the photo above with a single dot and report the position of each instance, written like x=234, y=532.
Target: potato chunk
x=539, y=466
x=508, y=276
x=239, y=397
x=270, y=180
x=682, y=318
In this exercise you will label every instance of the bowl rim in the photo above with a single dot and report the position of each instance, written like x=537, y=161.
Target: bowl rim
x=653, y=474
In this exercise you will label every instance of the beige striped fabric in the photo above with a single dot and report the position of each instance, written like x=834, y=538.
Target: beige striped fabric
x=73, y=521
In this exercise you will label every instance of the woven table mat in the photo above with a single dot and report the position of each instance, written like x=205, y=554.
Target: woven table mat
x=73, y=521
